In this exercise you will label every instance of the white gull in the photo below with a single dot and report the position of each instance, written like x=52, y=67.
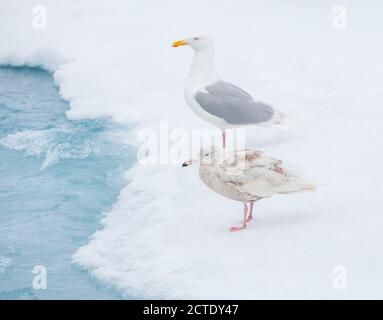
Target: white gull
x=221, y=103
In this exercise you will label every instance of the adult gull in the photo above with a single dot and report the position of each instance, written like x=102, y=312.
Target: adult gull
x=218, y=102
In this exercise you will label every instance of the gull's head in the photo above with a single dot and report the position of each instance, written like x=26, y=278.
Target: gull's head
x=208, y=156
x=197, y=42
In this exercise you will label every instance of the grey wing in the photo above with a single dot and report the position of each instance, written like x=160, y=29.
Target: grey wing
x=222, y=88
x=233, y=104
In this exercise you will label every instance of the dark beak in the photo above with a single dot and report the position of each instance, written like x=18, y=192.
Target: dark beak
x=185, y=164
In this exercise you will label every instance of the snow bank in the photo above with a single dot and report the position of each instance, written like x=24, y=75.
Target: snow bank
x=167, y=234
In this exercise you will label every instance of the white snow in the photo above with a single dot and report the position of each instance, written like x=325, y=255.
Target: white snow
x=166, y=236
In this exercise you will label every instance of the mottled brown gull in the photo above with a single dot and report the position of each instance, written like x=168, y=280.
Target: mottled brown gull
x=247, y=176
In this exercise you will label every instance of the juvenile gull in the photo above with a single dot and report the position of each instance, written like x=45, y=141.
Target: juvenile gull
x=247, y=176
x=221, y=103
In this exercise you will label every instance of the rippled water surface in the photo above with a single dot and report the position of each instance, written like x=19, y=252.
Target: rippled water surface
x=56, y=178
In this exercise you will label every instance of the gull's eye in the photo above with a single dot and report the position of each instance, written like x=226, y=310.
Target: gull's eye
x=206, y=154
x=196, y=38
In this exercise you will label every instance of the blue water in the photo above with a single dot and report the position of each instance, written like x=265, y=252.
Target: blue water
x=57, y=177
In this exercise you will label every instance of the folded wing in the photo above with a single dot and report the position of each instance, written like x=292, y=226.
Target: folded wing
x=234, y=105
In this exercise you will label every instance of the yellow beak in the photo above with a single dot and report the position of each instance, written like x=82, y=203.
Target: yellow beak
x=179, y=43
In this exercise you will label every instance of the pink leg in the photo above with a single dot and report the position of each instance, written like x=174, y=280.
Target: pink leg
x=243, y=226
x=250, y=217
x=224, y=139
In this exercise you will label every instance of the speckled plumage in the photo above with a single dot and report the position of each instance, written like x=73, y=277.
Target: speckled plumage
x=248, y=175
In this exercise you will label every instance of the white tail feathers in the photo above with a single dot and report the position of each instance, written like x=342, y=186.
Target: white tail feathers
x=307, y=185
x=297, y=185
x=310, y=187
x=281, y=119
